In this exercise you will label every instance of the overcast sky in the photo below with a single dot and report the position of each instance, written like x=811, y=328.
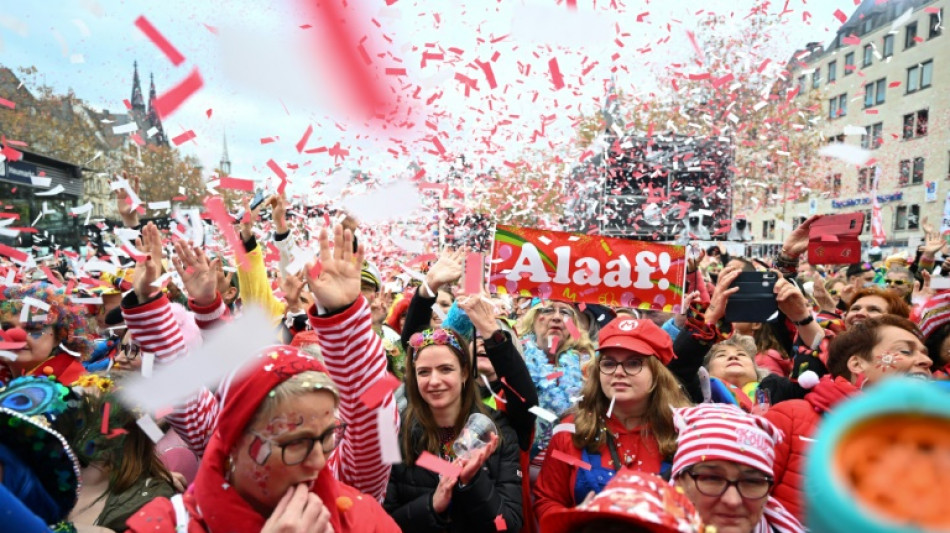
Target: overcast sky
x=263, y=78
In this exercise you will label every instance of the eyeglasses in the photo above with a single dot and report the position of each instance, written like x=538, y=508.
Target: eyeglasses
x=896, y=282
x=753, y=488
x=834, y=292
x=564, y=312
x=296, y=451
x=631, y=367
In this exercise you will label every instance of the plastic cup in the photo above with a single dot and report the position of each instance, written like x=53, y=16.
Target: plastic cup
x=475, y=435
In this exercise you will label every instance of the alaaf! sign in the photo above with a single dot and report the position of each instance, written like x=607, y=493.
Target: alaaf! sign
x=578, y=268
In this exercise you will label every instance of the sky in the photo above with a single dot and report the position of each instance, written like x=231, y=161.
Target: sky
x=271, y=70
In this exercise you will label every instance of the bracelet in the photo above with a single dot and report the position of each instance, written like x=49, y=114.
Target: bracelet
x=805, y=321
x=428, y=289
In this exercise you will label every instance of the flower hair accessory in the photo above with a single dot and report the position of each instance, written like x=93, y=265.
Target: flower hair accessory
x=430, y=337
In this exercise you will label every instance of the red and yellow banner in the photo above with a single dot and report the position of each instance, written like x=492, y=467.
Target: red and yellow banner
x=571, y=267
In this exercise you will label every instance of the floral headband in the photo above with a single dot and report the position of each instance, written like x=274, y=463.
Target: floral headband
x=430, y=337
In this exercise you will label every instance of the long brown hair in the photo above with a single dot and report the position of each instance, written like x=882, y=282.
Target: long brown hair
x=419, y=412
x=665, y=393
x=138, y=460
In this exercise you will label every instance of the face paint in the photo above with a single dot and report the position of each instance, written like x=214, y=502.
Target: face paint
x=259, y=450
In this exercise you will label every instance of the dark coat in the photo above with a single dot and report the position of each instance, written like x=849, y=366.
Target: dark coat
x=494, y=491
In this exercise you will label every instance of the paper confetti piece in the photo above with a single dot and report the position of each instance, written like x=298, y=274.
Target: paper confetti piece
x=50, y=277
x=388, y=437
x=474, y=273
x=556, y=77
x=385, y=202
x=159, y=40
x=553, y=376
x=543, y=413
x=573, y=461
x=512, y=389
x=841, y=16
x=378, y=391
x=236, y=184
x=500, y=524
x=13, y=253
x=7, y=103
x=105, y=418
x=572, y=328
x=169, y=101
x=302, y=143
x=183, y=138
x=281, y=175
x=439, y=466
x=150, y=428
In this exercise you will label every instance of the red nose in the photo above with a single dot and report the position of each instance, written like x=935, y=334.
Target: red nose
x=15, y=335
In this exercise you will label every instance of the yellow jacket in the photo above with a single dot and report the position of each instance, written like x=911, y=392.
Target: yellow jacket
x=255, y=287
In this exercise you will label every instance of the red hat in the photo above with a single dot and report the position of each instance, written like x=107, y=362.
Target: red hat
x=637, y=335
x=634, y=498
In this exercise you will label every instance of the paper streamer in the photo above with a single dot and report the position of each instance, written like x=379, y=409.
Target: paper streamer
x=388, y=437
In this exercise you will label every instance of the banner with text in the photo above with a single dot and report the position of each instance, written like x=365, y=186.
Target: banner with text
x=570, y=267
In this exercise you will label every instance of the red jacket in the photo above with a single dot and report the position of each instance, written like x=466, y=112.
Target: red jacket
x=774, y=362
x=798, y=420
x=554, y=489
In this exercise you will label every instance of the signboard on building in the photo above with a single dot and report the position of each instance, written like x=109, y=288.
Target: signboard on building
x=19, y=172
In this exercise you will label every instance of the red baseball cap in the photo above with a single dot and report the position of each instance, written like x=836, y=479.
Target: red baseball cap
x=637, y=335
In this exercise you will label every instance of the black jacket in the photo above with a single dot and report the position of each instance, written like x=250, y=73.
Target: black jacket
x=494, y=491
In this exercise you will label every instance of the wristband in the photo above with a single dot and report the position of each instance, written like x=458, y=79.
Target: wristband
x=428, y=290
x=805, y=321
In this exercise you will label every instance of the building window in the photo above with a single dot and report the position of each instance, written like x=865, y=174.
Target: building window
x=842, y=104
x=910, y=36
x=816, y=78
x=833, y=108
x=875, y=93
x=836, y=139
x=920, y=76
x=768, y=229
x=865, y=176
x=873, y=137
x=832, y=71
x=836, y=186
x=936, y=28
x=903, y=178
x=867, y=220
x=913, y=217
x=918, y=176
x=848, y=63
x=868, y=54
x=801, y=84
x=915, y=124
x=900, y=218
x=888, y=45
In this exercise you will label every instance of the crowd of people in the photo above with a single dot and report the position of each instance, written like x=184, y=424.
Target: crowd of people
x=418, y=406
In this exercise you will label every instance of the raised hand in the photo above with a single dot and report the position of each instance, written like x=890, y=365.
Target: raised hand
x=791, y=302
x=292, y=286
x=481, y=312
x=822, y=297
x=934, y=241
x=279, y=212
x=250, y=218
x=338, y=284
x=797, y=241
x=923, y=291
x=447, y=270
x=130, y=217
x=720, y=296
x=199, y=275
x=149, y=270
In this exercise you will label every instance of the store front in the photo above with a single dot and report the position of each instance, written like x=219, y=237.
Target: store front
x=25, y=190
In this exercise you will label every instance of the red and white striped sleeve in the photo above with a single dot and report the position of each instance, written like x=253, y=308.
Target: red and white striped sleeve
x=208, y=317
x=155, y=329
x=354, y=356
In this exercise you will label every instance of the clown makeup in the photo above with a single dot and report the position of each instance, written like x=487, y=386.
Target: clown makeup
x=897, y=352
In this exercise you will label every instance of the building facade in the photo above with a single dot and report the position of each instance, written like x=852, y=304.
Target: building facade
x=883, y=83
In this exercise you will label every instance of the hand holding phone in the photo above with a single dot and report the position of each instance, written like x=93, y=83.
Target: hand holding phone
x=754, y=301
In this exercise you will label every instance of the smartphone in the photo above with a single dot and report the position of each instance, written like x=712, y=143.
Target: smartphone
x=255, y=202
x=755, y=301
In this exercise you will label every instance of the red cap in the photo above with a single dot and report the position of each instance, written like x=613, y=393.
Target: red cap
x=637, y=335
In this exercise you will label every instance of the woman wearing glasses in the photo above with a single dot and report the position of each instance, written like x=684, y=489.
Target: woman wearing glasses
x=623, y=419
x=286, y=438
x=723, y=463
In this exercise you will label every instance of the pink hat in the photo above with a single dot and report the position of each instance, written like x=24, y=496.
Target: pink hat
x=722, y=432
x=634, y=498
x=640, y=336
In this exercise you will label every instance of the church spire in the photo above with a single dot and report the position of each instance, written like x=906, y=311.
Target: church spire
x=225, y=165
x=154, y=121
x=137, y=101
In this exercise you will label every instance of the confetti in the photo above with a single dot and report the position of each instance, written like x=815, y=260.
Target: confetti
x=556, y=77
x=439, y=466
x=169, y=101
x=841, y=16
x=543, y=413
x=474, y=273
x=386, y=428
x=178, y=140
x=159, y=40
x=379, y=391
x=573, y=461
x=236, y=184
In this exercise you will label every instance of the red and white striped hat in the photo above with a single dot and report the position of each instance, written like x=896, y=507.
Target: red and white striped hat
x=722, y=432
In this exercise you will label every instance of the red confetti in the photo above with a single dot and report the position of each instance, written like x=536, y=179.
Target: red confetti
x=50, y=277
x=395, y=72
x=841, y=16
x=474, y=272
x=184, y=137
x=105, y=418
x=374, y=396
x=303, y=140
x=512, y=389
x=280, y=174
x=851, y=39
x=573, y=461
x=553, y=375
x=894, y=84
x=168, y=102
x=236, y=184
x=556, y=77
x=439, y=466
x=208, y=112
x=159, y=40
x=500, y=524
x=572, y=4
x=7, y=103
